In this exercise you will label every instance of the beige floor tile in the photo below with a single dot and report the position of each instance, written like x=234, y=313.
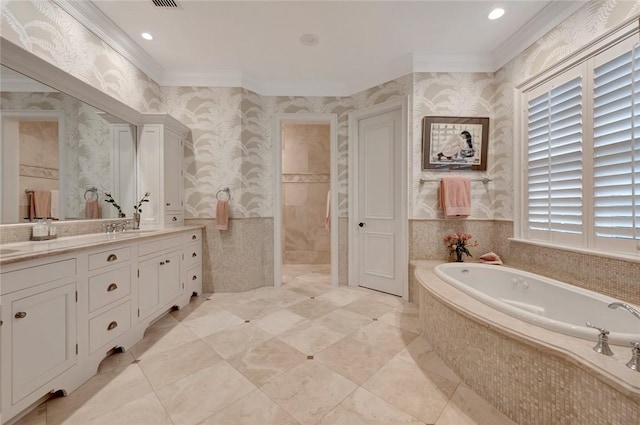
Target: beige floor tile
x=195, y=310
x=253, y=309
x=115, y=361
x=305, y=288
x=409, y=322
x=99, y=396
x=146, y=410
x=344, y=321
x=353, y=359
x=236, y=339
x=200, y=395
x=265, y=361
x=369, y=307
x=420, y=353
x=310, y=337
x=407, y=387
x=279, y=321
x=253, y=409
x=309, y=391
x=467, y=408
x=162, y=339
x=364, y=408
x=341, y=296
x=226, y=299
x=169, y=366
x=210, y=324
x=385, y=337
x=279, y=297
x=312, y=309
x=408, y=308
x=37, y=417
x=166, y=321
x=388, y=299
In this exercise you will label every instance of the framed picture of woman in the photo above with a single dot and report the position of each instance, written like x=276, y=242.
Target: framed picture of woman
x=455, y=143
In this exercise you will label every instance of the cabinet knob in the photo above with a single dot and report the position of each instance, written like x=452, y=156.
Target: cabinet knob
x=168, y=204
x=167, y=261
x=174, y=219
x=21, y=315
x=194, y=237
x=112, y=287
x=194, y=255
x=112, y=325
x=112, y=257
x=162, y=263
x=194, y=277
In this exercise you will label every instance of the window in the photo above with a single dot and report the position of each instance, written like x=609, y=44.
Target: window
x=581, y=178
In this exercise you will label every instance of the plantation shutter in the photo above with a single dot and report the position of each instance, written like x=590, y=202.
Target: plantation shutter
x=554, y=182
x=616, y=159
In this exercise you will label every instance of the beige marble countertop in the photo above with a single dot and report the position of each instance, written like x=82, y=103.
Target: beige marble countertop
x=22, y=251
x=611, y=370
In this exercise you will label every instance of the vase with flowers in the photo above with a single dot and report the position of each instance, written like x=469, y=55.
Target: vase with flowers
x=459, y=244
x=137, y=210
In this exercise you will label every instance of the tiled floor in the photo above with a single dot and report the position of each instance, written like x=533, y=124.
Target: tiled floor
x=308, y=353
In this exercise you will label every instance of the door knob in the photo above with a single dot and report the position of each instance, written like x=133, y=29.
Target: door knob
x=361, y=224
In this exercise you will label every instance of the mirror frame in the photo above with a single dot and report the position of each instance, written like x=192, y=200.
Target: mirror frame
x=32, y=66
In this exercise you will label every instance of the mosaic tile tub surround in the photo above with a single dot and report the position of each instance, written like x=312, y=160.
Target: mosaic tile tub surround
x=531, y=377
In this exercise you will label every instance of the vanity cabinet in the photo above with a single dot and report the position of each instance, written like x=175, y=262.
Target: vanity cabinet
x=161, y=161
x=38, y=331
x=61, y=315
x=193, y=261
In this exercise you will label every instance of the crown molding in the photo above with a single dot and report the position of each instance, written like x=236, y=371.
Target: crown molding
x=453, y=63
x=92, y=18
x=543, y=22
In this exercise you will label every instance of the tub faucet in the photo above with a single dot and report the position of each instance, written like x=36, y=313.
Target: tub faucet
x=626, y=307
x=602, y=346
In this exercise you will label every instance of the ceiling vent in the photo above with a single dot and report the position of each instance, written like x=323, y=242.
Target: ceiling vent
x=166, y=4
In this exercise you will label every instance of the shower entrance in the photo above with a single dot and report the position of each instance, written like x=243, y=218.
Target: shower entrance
x=305, y=224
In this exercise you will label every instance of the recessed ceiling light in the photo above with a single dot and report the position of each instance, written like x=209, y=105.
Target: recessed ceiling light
x=146, y=36
x=309, y=39
x=496, y=13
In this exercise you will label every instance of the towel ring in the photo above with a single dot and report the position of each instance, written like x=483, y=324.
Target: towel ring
x=225, y=190
x=91, y=190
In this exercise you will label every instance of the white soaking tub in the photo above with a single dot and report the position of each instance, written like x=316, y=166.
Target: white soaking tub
x=541, y=301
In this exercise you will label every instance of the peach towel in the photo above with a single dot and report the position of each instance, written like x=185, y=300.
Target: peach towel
x=222, y=215
x=39, y=204
x=92, y=209
x=455, y=196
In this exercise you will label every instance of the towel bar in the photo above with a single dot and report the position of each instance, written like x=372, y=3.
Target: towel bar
x=483, y=180
x=225, y=190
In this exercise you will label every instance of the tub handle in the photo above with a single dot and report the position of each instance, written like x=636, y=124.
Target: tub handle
x=602, y=346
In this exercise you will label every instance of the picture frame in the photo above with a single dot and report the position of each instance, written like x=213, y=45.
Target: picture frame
x=455, y=143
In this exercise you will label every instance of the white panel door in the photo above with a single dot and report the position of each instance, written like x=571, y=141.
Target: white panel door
x=379, y=203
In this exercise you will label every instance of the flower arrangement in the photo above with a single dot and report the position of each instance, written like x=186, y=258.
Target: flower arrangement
x=113, y=202
x=137, y=208
x=459, y=243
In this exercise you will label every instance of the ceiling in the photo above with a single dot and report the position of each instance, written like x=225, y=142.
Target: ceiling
x=256, y=44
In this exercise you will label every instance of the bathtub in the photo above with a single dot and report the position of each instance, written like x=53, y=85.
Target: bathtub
x=503, y=331
x=541, y=301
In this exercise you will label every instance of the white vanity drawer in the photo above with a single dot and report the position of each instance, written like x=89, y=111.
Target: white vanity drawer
x=108, y=258
x=173, y=219
x=109, y=325
x=193, y=236
x=108, y=287
x=37, y=275
x=194, y=279
x=158, y=245
x=192, y=254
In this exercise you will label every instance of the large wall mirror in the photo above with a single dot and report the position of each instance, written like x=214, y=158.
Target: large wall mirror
x=55, y=144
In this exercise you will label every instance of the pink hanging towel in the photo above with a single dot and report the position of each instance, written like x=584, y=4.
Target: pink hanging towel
x=222, y=215
x=455, y=196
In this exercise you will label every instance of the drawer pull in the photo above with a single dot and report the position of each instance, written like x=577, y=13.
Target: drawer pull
x=112, y=325
x=168, y=204
x=112, y=257
x=112, y=287
x=174, y=218
x=194, y=255
x=167, y=261
x=21, y=315
x=194, y=237
x=194, y=277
